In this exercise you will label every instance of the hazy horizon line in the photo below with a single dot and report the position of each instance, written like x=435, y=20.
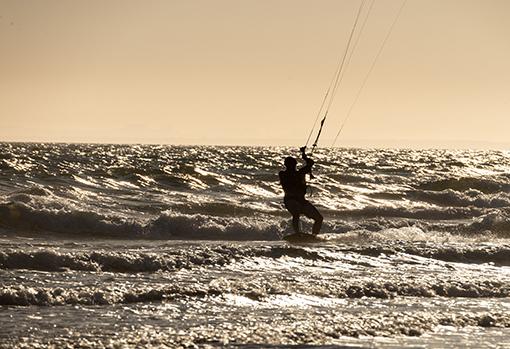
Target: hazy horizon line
x=366, y=143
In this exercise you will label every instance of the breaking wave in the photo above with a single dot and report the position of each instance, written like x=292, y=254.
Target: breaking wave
x=44, y=296
x=134, y=262
x=16, y=217
x=487, y=186
x=468, y=198
x=168, y=225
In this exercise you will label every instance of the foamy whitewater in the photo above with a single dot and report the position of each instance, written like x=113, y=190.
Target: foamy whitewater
x=172, y=246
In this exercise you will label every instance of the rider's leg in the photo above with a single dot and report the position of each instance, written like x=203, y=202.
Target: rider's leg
x=294, y=207
x=310, y=211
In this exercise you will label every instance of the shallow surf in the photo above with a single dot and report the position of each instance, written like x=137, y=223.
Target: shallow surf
x=108, y=245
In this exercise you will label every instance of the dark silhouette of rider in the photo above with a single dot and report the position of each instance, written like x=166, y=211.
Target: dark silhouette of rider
x=294, y=185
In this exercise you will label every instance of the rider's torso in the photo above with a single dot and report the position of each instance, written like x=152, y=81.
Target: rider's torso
x=294, y=184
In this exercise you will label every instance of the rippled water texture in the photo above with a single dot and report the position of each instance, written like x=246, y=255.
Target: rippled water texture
x=110, y=246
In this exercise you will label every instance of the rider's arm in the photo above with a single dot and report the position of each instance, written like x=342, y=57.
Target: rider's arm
x=309, y=162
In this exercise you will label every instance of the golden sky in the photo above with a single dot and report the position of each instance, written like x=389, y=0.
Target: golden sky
x=253, y=72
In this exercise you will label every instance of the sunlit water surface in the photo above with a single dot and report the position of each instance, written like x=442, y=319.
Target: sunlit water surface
x=153, y=246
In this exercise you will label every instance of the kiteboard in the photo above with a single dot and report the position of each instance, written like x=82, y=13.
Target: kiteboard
x=302, y=238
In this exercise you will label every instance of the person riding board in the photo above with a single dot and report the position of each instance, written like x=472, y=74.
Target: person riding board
x=293, y=182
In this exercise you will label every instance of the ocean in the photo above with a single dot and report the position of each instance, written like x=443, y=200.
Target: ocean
x=123, y=246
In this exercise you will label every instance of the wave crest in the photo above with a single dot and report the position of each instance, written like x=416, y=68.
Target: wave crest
x=137, y=261
x=107, y=295
x=487, y=186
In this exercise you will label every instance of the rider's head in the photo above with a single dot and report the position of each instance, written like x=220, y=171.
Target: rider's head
x=290, y=163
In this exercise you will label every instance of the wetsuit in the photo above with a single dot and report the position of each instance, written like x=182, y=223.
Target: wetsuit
x=294, y=186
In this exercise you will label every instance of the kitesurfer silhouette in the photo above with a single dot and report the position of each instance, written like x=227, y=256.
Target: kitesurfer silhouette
x=293, y=182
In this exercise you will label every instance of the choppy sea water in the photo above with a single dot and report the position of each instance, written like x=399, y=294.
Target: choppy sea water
x=110, y=245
